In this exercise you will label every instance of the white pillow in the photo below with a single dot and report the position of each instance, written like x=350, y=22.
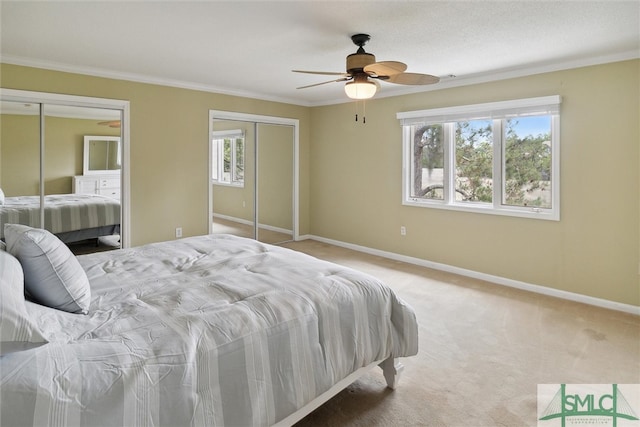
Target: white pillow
x=1, y=197
x=52, y=274
x=17, y=330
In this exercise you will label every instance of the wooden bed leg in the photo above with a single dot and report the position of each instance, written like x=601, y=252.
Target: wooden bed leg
x=391, y=368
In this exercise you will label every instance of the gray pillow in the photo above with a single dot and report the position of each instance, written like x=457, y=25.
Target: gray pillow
x=17, y=330
x=52, y=274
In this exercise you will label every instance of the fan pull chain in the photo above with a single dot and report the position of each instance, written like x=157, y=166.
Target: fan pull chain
x=364, y=110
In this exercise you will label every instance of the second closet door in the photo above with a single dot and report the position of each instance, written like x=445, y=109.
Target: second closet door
x=275, y=174
x=233, y=177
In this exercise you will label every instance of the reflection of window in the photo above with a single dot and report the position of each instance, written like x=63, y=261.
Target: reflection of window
x=118, y=156
x=500, y=158
x=227, y=150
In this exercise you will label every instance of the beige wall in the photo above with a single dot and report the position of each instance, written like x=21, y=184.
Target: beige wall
x=351, y=175
x=169, y=145
x=594, y=248
x=64, y=144
x=20, y=155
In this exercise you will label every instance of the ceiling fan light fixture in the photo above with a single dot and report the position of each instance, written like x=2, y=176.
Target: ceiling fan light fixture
x=360, y=89
x=363, y=73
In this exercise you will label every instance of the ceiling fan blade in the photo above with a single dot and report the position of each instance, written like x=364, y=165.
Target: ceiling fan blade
x=385, y=68
x=111, y=123
x=413, y=79
x=324, y=83
x=327, y=73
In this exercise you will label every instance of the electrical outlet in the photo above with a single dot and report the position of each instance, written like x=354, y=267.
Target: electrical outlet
x=403, y=230
x=178, y=232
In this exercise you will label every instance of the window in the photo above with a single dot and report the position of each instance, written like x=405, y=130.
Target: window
x=499, y=158
x=227, y=149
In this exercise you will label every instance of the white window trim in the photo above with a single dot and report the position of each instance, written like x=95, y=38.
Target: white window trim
x=221, y=135
x=547, y=105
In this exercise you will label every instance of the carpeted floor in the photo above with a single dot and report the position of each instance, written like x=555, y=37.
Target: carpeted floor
x=483, y=351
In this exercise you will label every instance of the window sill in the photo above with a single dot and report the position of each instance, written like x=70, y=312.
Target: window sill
x=531, y=213
x=227, y=184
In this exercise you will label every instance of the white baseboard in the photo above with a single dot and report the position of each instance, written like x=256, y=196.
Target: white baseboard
x=233, y=219
x=571, y=296
x=250, y=223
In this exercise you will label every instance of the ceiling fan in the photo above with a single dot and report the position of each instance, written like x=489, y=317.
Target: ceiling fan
x=111, y=123
x=363, y=72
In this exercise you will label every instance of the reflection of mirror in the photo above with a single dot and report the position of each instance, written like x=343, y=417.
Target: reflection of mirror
x=101, y=154
x=233, y=207
x=275, y=183
x=19, y=149
x=19, y=157
x=41, y=159
x=264, y=208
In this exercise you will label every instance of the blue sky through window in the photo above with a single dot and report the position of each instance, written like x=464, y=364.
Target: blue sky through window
x=534, y=125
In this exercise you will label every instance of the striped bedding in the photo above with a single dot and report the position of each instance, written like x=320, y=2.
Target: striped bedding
x=210, y=331
x=63, y=212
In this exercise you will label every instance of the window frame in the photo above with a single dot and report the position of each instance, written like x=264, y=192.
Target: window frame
x=217, y=150
x=498, y=112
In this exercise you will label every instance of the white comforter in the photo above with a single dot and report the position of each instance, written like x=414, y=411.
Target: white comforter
x=211, y=330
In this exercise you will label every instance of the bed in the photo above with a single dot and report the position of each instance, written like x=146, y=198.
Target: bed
x=212, y=330
x=71, y=217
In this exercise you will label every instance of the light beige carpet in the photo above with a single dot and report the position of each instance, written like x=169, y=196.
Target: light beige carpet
x=483, y=350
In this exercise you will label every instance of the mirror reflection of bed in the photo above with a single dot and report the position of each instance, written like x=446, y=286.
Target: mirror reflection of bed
x=77, y=202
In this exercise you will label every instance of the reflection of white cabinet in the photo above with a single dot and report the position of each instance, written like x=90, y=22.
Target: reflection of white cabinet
x=106, y=185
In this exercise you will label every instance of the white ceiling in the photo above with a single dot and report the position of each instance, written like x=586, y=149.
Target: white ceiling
x=249, y=48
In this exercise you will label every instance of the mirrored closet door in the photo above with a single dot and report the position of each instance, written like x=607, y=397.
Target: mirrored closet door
x=275, y=183
x=19, y=163
x=48, y=144
x=253, y=176
x=233, y=177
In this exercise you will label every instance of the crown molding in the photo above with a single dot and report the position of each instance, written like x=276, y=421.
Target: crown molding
x=139, y=78
x=445, y=83
x=505, y=74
